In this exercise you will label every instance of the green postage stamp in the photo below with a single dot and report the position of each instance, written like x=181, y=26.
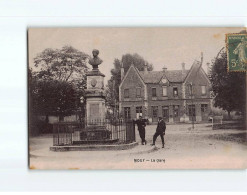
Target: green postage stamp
x=236, y=48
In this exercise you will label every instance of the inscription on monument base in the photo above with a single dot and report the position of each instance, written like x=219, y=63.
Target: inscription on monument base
x=94, y=112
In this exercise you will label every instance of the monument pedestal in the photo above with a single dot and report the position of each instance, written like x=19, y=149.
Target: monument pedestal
x=95, y=98
x=95, y=108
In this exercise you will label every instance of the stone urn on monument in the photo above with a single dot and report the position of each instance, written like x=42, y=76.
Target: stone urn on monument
x=95, y=128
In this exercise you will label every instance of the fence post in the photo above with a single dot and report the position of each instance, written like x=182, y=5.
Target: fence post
x=133, y=123
x=71, y=137
x=53, y=135
x=58, y=135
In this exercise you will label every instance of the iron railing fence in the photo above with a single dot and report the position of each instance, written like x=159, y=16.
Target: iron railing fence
x=63, y=132
x=94, y=132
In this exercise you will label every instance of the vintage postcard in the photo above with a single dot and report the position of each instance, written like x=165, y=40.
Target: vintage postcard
x=137, y=98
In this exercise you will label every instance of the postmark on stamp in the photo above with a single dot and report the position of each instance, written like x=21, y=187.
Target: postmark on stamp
x=236, y=48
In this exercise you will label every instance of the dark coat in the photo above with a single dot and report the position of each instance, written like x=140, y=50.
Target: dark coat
x=161, y=127
x=141, y=124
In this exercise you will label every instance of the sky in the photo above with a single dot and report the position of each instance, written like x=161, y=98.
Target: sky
x=160, y=46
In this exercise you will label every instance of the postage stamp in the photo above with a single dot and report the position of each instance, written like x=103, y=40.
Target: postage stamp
x=236, y=47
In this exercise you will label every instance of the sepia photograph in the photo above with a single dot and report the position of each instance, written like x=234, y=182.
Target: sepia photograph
x=137, y=98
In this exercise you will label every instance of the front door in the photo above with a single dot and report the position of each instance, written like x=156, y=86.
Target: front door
x=192, y=112
x=155, y=113
x=165, y=113
x=204, y=112
x=176, y=113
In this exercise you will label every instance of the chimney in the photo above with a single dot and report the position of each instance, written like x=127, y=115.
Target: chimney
x=164, y=69
x=183, y=66
x=208, y=68
x=183, y=69
x=145, y=68
x=122, y=71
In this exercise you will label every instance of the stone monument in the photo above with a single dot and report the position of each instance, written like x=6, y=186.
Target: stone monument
x=95, y=95
x=95, y=102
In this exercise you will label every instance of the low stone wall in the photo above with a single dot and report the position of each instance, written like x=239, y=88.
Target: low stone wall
x=93, y=147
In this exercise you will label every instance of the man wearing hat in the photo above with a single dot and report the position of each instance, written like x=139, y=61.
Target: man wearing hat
x=141, y=128
x=160, y=131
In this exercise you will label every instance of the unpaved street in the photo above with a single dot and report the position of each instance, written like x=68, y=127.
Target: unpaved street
x=185, y=148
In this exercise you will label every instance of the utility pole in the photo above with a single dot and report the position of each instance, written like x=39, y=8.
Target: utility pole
x=192, y=104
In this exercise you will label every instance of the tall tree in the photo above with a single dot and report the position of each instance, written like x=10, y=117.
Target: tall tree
x=115, y=80
x=58, y=82
x=229, y=88
x=52, y=97
x=63, y=64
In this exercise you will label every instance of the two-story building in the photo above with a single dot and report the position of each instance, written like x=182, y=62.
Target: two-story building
x=177, y=95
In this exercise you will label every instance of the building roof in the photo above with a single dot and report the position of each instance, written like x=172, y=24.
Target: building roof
x=156, y=76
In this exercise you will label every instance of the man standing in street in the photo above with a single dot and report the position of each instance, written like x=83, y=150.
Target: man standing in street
x=160, y=131
x=141, y=128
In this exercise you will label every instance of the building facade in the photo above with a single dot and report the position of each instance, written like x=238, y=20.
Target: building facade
x=177, y=95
